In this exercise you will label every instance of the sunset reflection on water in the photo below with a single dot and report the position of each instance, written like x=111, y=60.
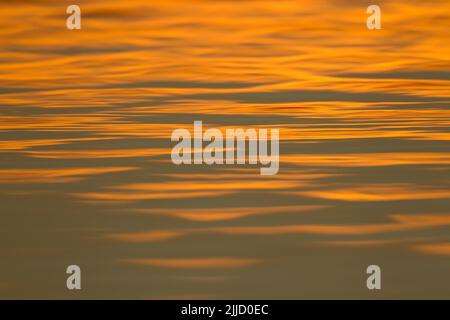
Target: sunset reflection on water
x=86, y=176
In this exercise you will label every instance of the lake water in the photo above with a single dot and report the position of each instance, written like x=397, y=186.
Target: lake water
x=86, y=176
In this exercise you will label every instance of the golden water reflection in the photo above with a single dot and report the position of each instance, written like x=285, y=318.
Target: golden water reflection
x=86, y=176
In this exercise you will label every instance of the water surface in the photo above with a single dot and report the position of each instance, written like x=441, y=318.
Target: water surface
x=85, y=170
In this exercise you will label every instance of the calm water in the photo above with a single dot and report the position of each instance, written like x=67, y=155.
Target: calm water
x=85, y=170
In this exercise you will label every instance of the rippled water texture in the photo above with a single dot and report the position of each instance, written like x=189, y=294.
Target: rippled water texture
x=85, y=170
